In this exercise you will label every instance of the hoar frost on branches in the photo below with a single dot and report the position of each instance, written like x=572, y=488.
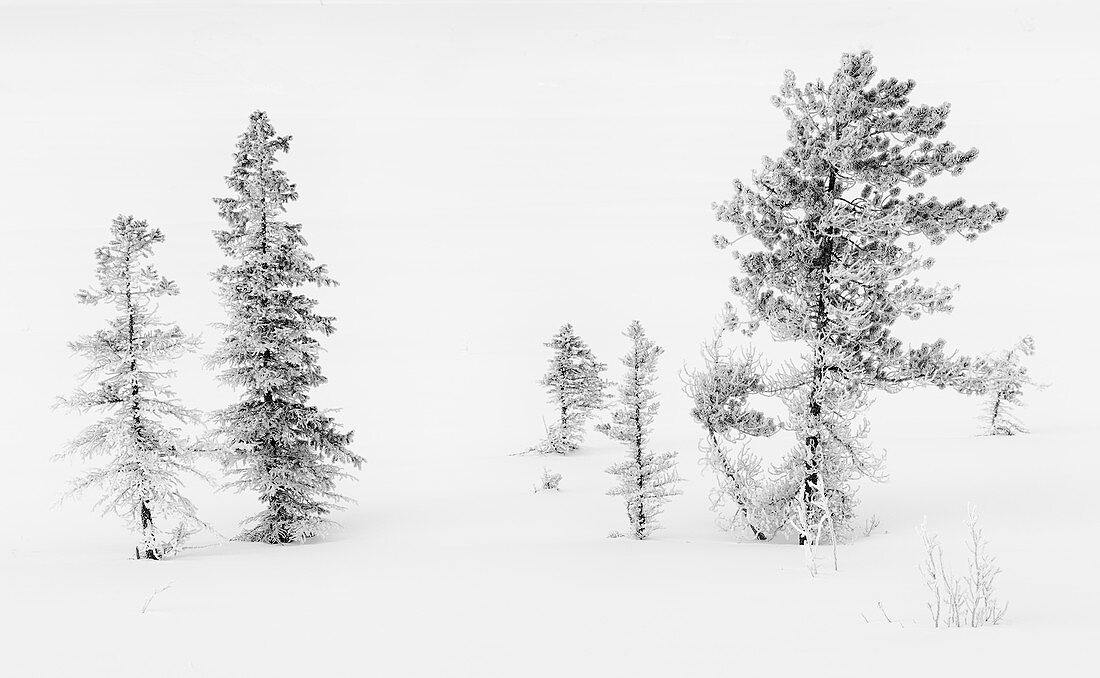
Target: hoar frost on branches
x=549, y=481
x=1004, y=386
x=646, y=479
x=965, y=601
x=575, y=387
x=142, y=480
x=720, y=393
x=837, y=218
x=278, y=445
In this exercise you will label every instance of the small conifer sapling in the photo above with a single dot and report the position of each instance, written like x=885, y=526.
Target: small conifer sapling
x=647, y=480
x=147, y=456
x=1006, y=379
x=576, y=389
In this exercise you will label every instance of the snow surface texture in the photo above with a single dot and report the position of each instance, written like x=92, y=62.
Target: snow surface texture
x=476, y=176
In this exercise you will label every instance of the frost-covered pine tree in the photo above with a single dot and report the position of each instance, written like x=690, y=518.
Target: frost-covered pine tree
x=279, y=445
x=147, y=458
x=646, y=479
x=575, y=387
x=1004, y=388
x=837, y=218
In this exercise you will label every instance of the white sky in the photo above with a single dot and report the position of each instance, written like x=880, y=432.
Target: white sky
x=477, y=174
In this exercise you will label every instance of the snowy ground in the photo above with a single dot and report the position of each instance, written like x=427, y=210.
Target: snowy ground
x=476, y=176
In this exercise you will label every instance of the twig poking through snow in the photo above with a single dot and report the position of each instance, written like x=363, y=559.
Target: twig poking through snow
x=154, y=595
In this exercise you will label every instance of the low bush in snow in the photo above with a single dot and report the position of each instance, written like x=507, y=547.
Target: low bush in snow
x=962, y=601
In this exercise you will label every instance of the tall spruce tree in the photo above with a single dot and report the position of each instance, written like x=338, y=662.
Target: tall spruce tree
x=837, y=218
x=574, y=384
x=646, y=479
x=142, y=480
x=279, y=445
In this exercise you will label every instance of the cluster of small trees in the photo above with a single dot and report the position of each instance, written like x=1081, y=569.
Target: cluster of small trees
x=836, y=219
x=273, y=442
x=646, y=479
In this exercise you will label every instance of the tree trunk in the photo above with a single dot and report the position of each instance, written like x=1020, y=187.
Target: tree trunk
x=564, y=416
x=147, y=531
x=640, y=529
x=136, y=425
x=759, y=534
x=813, y=441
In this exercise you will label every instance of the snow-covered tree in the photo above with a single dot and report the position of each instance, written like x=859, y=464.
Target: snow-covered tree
x=1005, y=381
x=720, y=392
x=278, y=444
x=548, y=481
x=574, y=384
x=837, y=218
x=646, y=479
x=146, y=457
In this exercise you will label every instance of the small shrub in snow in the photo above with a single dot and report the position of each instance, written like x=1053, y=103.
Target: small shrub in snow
x=646, y=479
x=559, y=439
x=575, y=387
x=965, y=601
x=1004, y=387
x=549, y=480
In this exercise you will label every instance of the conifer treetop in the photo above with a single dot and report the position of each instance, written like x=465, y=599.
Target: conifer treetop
x=256, y=231
x=836, y=218
x=631, y=422
x=852, y=134
x=574, y=372
x=119, y=275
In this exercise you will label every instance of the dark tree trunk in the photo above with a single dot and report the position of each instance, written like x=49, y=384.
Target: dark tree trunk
x=813, y=441
x=146, y=526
